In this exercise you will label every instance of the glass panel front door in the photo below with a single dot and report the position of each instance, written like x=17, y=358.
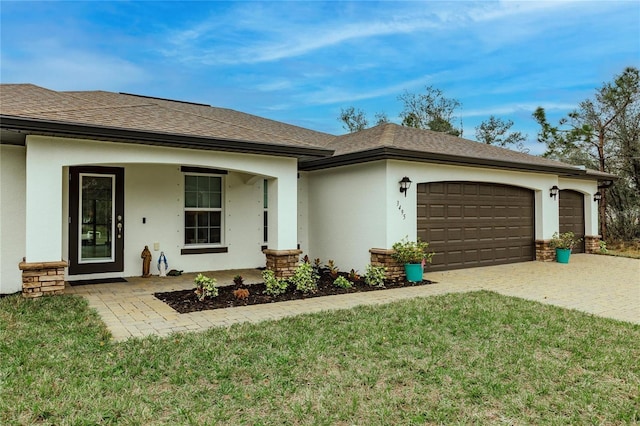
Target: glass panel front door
x=97, y=212
x=96, y=220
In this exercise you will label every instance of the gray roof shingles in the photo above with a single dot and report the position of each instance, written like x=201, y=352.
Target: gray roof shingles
x=161, y=116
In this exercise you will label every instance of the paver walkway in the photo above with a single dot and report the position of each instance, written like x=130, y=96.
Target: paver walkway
x=602, y=285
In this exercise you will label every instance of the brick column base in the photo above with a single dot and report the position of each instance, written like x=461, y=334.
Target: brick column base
x=282, y=262
x=544, y=252
x=592, y=244
x=382, y=257
x=42, y=278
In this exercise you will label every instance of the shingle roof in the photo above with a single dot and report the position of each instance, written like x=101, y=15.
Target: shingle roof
x=140, y=119
x=137, y=113
x=407, y=142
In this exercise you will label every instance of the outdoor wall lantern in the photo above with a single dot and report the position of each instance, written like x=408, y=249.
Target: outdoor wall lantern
x=553, y=192
x=405, y=183
x=597, y=197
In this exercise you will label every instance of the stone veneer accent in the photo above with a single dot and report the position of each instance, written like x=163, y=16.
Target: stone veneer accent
x=282, y=262
x=592, y=244
x=544, y=252
x=382, y=257
x=42, y=278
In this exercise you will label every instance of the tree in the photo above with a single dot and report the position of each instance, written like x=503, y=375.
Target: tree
x=601, y=130
x=496, y=131
x=355, y=120
x=430, y=110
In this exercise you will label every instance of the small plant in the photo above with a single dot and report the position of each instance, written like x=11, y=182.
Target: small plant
x=317, y=266
x=603, y=247
x=406, y=251
x=241, y=294
x=342, y=282
x=332, y=268
x=305, y=279
x=205, y=287
x=354, y=276
x=374, y=275
x=238, y=280
x=565, y=240
x=274, y=286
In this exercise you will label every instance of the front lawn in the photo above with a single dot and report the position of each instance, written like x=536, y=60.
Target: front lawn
x=458, y=358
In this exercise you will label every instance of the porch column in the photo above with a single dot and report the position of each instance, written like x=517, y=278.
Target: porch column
x=43, y=267
x=283, y=212
x=282, y=254
x=547, y=222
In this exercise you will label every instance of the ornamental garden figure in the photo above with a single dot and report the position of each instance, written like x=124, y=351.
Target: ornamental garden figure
x=163, y=265
x=146, y=262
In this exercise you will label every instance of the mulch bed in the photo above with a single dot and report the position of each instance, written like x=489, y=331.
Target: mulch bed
x=185, y=301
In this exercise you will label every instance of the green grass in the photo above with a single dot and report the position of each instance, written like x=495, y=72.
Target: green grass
x=456, y=359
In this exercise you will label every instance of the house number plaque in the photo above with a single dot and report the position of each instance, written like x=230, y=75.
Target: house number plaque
x=401, y=210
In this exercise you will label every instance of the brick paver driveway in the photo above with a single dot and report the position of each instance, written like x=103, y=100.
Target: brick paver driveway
x=602, y=285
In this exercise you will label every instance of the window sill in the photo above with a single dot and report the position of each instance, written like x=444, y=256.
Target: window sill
x=204, y=250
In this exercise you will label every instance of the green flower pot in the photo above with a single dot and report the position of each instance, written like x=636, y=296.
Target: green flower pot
x=413, y=271
x=562, y=255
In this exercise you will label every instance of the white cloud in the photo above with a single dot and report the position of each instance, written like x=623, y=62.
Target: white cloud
x=72, y=70
x=508, y=109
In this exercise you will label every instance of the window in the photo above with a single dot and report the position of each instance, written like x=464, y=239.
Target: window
x=202, y=209
x=265, y=214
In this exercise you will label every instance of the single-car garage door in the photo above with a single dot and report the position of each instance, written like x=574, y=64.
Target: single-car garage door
x=571, y=205
x=472, y=224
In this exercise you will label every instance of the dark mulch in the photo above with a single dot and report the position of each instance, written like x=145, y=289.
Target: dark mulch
x=185, y=301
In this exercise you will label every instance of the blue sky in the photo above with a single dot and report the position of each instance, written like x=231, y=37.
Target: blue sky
x=301, y=62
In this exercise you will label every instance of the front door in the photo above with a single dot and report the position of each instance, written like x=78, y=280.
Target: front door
x=96, y=220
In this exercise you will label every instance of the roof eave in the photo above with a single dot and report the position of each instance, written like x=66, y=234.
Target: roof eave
x=390, y=153
x=116, y=134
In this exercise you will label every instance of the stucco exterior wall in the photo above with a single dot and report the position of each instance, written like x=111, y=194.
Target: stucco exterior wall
x=154, y=190
x=303, y=212
x=12, y=216
x=355, y=208
x=347, y=213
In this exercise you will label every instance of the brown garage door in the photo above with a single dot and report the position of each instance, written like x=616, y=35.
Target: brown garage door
x=571, y=205
x=476, y=224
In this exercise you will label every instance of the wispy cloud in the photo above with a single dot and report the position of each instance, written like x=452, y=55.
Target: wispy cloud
x=73, y=70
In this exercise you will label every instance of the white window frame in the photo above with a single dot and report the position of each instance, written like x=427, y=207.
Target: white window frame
x=220, y=209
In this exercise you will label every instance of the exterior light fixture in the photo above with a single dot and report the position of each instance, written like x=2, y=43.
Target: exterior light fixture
x=405, y=183
x=553, y=192
x=597, y=197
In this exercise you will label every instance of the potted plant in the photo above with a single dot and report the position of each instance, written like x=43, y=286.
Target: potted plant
x=413, y=255
x=563, y=243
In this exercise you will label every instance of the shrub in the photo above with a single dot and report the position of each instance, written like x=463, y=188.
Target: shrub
x=238, y=280
x=406, y=251
x=241, y=293
x=332, y=268
x=566, y=240
x=603, y=247
x=342, y=282
x=275, y=286
x=305, y=279
x=354, y=275
x=205, y=287
x=374, y=275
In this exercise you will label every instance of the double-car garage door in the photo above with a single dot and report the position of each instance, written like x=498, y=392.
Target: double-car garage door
x=476, y=224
